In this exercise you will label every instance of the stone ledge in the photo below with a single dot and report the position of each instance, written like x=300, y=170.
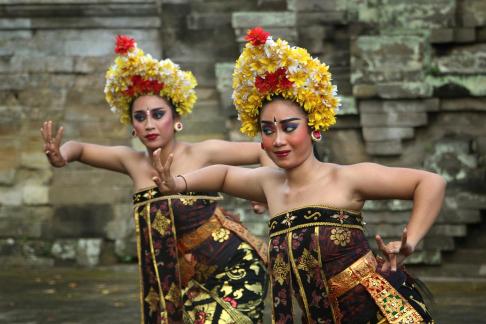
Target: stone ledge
x=80, y=23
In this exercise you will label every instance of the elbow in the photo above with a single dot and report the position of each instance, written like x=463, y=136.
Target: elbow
x=439, y=182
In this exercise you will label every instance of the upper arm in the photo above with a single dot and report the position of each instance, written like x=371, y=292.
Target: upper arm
x=374, y=181
x=231, y=153
x=246, y=183
x=112, y=158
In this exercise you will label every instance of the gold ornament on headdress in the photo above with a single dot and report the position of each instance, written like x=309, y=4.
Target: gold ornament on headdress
x=266, y=68
x=134, y=74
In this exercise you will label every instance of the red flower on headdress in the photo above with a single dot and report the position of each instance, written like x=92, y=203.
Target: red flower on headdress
x=124, y=44
x=273, y=81
x=140, y=86
x=257, y=36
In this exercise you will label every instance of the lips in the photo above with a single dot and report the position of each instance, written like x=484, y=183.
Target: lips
x=281, y=154
x=151, y=137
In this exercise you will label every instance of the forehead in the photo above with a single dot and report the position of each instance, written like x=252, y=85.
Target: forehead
x=281, y=109
x=149, y=102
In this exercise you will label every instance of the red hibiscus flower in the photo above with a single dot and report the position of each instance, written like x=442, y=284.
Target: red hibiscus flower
x=273, y=81
x=257, y=36
x=124, y=44
x=140, y=86
x=231, y=301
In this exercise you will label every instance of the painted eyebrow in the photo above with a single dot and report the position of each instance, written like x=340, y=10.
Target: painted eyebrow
x=153, y=109
x=282, y=121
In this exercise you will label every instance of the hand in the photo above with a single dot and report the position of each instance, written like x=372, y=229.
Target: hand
x=52, y=146
x=258, y=207
x=394, y=252
x=165, y=181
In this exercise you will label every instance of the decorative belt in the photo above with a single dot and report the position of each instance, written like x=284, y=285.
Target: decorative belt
x=314, y=216
x=393, y=306
x=195, y=238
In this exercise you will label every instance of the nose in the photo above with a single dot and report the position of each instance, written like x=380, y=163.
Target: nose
x=279, y=139
x=148, y=123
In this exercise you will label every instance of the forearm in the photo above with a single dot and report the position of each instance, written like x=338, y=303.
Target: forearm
x=211, y=178
x=428, y=199
x=71, y=151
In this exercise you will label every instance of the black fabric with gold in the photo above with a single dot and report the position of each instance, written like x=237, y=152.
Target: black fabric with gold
x=320, y=255
x=173, y=229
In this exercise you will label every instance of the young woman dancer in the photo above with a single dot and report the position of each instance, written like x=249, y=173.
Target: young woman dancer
x=317, y=250
x=196, y=264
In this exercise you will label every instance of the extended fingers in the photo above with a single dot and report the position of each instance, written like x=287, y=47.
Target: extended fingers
x=381, y=244
x=157, y=164
x=58, y=138
x=404, y=237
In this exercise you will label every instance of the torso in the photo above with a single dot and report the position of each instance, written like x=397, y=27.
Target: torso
x=141, y=170
x=326, y=186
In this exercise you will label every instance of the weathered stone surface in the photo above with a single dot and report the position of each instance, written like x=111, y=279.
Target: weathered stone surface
x=386, y=58
x=394, y=119
x=81, y=221
x=35, y=195
x=365, y=91
x=396, y=90
x=279, y=24
x=388, y=147
x=458, y=86
x=387, y=133
x=452, y=159
x=24, y=221
x=463, y=104
x=416, y=14
x=198, y=21
x=469, y=59
x=88, y=252
x=473, y=13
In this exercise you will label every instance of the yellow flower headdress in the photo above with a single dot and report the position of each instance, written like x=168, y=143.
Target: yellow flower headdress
x=266, y=68
x=134, y=74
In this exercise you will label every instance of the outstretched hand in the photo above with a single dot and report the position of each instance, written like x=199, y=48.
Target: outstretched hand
x=52, y=145
x=394, y=252
x=164, y=180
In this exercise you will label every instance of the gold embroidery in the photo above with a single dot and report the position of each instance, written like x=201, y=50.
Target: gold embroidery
x=188, y=201
x=341, y=217
x=161, y=223
x=236, y=274
x=314, y=215
x=280, y=270
x=152, y=299
x=392, y=305
x=174, y=295
x=307, y=262
x=221, y=235
x=288, y=219
x=340, y=236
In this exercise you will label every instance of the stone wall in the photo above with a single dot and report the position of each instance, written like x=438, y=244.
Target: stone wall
x=412, y=76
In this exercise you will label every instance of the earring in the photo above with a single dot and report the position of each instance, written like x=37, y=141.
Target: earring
x=316, y=136
x=178, y=126
x=133, y=133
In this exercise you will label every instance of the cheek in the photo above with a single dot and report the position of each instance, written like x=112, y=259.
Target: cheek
x=299, y=137
x=267, y=141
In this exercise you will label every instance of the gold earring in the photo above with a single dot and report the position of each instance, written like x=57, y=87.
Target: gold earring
x=178, y=126
x=316, y=136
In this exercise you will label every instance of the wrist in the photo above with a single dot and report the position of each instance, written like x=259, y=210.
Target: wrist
x=181, y=183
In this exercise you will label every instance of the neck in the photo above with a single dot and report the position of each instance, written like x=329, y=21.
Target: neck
x=164, y=151
x=304, y=172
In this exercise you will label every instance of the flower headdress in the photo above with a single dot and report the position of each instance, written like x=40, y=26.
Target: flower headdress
x=134, y=74
x=266, y=68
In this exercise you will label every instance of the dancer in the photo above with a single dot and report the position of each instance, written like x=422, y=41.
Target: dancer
x=196, y=264
x=317, y=249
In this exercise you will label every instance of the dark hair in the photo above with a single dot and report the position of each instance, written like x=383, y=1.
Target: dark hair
x=167, y=100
